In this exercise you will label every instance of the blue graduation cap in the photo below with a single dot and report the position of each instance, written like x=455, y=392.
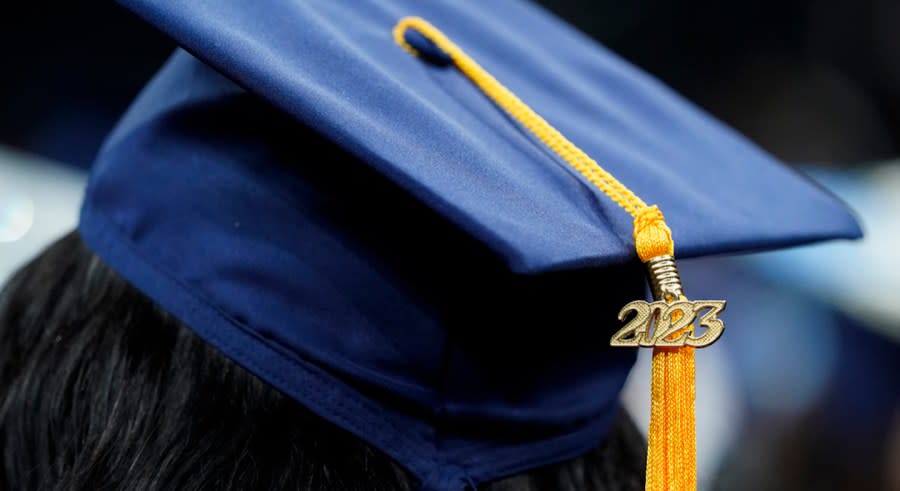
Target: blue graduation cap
x=367, y=232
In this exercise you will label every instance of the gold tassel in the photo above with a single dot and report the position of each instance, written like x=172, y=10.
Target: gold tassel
x=671, y=439
x=671, y=460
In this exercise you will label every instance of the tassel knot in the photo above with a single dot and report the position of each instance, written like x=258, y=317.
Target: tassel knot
x=652, y=237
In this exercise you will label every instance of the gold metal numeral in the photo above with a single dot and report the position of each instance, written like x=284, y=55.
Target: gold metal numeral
x=714, y=326
x=633, y=332
x=670, y=324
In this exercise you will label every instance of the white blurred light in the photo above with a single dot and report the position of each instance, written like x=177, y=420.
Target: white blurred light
x=860, y=277
x=39, y=202
x=16, y=215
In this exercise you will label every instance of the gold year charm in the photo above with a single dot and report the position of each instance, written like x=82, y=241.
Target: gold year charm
x=668, y=321
x=667, y=324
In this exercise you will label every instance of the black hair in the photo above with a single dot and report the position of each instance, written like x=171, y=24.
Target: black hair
x=100, y=389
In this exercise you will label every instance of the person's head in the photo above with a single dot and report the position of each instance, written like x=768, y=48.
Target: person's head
x=102, y=389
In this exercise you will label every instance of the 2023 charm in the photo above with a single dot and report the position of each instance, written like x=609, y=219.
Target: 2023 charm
x=668, y=324
x=670, y=320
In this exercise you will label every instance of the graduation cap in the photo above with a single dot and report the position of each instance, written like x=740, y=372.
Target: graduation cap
x=420, y=255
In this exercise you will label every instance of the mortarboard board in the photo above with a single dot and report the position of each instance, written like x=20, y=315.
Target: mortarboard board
x=368, y=233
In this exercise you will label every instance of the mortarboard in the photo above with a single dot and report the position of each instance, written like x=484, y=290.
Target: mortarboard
x=369, y=233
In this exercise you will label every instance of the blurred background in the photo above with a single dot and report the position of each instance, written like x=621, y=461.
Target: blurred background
x=804, y=394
